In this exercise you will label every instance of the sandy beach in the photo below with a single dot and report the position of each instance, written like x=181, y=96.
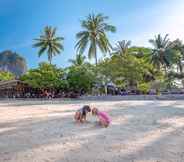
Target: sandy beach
x=141, y=131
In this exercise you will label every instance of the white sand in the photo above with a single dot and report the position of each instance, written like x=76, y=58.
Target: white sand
x=141, y=131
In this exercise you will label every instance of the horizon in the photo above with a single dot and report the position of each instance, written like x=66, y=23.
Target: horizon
x=21, y=22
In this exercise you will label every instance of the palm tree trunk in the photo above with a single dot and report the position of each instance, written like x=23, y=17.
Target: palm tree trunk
x=96, y=59
x=50, y=57
x=50, y=60
x=180, y=67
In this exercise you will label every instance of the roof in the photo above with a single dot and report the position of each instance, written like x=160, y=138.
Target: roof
x=10, y=84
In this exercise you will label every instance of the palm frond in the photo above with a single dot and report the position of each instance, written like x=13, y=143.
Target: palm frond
x=49, y=42
x=42, y=50
x=94, y=34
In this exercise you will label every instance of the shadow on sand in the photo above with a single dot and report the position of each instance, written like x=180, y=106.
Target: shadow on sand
x=115, y=143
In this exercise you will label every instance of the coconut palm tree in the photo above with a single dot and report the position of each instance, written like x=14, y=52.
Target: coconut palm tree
x=122, y=47
x=179, y=54
x=161, y=55
x=49, y=42
x=178, y=46
x=94, y=35
x=80, y=60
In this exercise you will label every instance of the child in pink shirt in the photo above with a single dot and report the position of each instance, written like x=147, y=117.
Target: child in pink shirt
x=104, y=119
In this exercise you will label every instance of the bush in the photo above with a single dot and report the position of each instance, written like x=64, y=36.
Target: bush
x=46, y=76
x=4, y=76
x=144, y=87
x=80, y=78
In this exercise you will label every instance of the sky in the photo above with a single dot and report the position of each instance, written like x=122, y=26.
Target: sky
x=137, y=20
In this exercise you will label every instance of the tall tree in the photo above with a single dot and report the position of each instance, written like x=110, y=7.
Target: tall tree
x=80, y=78
x=94, y=35
x=46, y=76
x=122, y=47
x=49, y=42
x=161, y=55
x=178, y=46
x=79, y=60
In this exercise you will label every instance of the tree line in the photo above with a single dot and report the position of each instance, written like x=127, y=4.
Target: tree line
x=126, y=67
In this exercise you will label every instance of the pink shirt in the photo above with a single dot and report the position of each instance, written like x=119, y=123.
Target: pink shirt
x=104, y=116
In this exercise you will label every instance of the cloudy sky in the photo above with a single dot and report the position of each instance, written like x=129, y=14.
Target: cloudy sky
x=136, y=20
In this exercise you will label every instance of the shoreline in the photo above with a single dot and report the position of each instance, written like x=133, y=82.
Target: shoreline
x=100, y=98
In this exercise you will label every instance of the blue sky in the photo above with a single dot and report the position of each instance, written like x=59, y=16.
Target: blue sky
x=138, y=20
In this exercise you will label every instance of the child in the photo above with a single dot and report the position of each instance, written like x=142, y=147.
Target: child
x=104, y=119
x=80, y=115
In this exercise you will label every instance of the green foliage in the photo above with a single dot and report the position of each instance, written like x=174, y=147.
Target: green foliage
x=103, y=71
x=178, y=57
x=122, y=48
x=5, y=76
x=162, y=53
x=128, y=68
x=140, y=52
x=94, y=35
x=49, y=42
x=80, y=60
x=46, y=76
x=80, y=78
x=144, y=87
x=124, y=70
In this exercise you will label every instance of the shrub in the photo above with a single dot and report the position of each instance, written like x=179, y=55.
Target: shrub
x=144, y=87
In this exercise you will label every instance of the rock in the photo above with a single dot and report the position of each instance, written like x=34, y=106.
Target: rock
x=12, y=62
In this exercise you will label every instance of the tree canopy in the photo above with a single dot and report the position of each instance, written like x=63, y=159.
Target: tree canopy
x=5, y=76
x=46, y=76
x=49, y=42
x=94, y=35
x=127, y=67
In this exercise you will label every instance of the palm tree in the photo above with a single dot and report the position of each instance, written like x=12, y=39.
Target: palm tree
x=122, y=47
x=178, y=45
x=161, y=52
x=94, y=35
x=80, y=60
x=179, y=57
x=49, y=42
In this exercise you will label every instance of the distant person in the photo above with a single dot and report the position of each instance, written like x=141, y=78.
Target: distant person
x=81, y=114
x=104, y=118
